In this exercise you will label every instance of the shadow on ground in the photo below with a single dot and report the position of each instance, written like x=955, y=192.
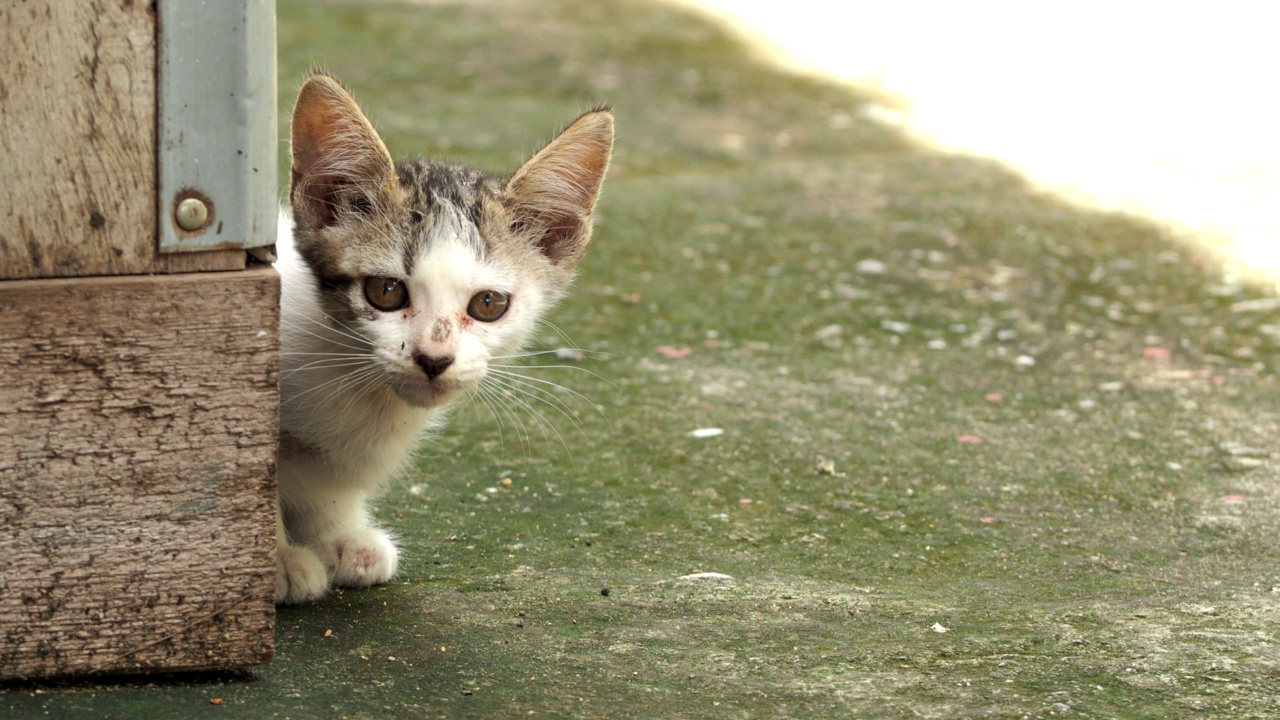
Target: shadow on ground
x=984, y=454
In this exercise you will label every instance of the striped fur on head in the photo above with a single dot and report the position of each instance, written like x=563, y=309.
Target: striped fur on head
x=348, y=197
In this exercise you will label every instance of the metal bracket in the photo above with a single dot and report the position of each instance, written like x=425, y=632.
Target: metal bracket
x=216, y=69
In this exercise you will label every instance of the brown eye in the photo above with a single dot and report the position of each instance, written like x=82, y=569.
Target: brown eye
x=488, y=305
x=386, y=294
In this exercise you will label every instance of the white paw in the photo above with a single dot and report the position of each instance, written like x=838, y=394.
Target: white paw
x=362, y=557
x=300, y=576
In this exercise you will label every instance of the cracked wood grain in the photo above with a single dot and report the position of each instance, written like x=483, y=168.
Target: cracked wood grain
x=137, y=473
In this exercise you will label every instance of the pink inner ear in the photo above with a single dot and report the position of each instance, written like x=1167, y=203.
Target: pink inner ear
x=339, y=162
x=313, y=200
x=559, y=236
x=322, y=198
x=555, y=192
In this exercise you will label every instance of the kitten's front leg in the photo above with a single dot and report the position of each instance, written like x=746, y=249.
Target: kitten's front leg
x=338, y=530
x=300, y=576
x=359, y=556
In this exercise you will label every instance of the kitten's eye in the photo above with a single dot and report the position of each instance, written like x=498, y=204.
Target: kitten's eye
x=488, y=305
x=386, y=294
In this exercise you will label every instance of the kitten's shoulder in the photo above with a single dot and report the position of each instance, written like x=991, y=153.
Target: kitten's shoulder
x=297, y=284
x=286, y=253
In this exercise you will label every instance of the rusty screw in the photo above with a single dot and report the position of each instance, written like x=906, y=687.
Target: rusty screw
x=192, y=214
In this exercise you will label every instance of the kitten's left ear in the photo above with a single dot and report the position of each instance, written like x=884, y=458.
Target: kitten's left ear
x=555, y=192
x=340, y=166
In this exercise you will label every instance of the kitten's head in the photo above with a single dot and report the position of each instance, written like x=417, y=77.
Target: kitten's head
x=440, y=268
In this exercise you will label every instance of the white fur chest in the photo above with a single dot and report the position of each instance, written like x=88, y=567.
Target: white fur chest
x=340, y=426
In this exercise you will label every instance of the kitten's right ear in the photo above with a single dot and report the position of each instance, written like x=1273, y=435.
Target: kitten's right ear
x=554, y=193
x=340, y=166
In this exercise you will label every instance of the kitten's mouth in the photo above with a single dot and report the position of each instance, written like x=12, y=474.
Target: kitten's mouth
x=425, y=392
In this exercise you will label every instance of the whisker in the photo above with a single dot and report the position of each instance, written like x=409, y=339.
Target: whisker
x=316, y=368
x=557, y=386
x=516, y=422
x=349, y=382
x=543, y=423
x=481, y=398
x=324, y=363
x=578, y=368
x=326, y=354
x=365, y=387
x=522, y=433
x=350, y=332
x=595, y=354
x=340, y=381
x=556, y=329
x=542, y=395
x=289, y=326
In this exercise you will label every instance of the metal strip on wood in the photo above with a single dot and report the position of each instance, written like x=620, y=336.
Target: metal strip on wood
x=216, y=71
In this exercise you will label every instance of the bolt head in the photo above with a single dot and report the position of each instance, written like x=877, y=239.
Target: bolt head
x=192, y=214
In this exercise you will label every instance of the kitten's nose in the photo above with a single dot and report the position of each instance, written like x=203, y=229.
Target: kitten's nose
x=433, y=366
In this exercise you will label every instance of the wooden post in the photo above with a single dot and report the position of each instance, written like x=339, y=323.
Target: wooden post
x=138, y=389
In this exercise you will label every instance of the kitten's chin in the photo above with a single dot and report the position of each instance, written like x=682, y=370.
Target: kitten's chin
x=426, y=394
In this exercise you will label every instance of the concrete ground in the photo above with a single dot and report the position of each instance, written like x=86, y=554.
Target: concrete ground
x=861, y=429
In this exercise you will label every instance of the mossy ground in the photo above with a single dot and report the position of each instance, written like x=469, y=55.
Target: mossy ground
x=948, y=402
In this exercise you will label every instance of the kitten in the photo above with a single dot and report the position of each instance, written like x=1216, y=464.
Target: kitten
x=400, y=284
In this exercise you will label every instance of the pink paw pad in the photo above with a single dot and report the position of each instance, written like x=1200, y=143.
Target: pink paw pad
x=362, y=559
x=366, y=558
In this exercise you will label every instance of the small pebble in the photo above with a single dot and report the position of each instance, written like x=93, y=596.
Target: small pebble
x=895, y=326
x=829, y=332
x=871, y=267
x=706, y=577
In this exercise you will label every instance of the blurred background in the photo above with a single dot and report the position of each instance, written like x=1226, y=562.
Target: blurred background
x=1166, y=110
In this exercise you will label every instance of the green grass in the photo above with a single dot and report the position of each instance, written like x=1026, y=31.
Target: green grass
x=848, y=297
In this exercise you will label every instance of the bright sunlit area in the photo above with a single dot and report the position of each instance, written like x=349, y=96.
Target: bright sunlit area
x=1165, y=110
